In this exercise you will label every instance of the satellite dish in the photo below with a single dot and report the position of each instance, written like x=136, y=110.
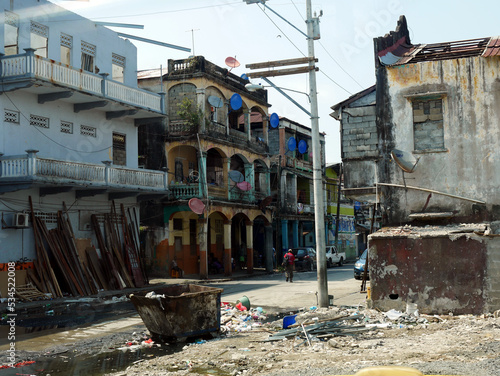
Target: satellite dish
x=292, y=144
x=215, y=101
x=302, y=146
x=405, y=160
x=274, y=120
x=236, y=101
x=245, y=77
x=196, y=205
x=231, y=62
x=244, y=186
x=236, y=176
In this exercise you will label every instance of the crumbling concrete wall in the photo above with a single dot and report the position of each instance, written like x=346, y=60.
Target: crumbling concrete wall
x=441, y=269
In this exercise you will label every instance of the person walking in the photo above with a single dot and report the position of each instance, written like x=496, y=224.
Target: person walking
x=289, y=263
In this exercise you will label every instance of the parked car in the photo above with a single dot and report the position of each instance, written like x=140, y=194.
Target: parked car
x=305, y=258
x=359, y=266
x=333, y=256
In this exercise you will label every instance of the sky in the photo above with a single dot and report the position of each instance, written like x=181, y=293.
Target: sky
x=218, y=29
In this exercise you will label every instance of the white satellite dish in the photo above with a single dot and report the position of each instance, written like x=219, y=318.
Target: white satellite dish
x=215, y=101
x=405, y=160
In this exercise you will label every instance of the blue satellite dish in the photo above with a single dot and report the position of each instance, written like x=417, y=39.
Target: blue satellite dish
x=236, y=101
x=245, y=77
x=302, y=146
x=236, y=176
x=274, y=120
x=292, y=144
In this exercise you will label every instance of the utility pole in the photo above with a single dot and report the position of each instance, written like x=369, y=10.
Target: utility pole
x=319, y=212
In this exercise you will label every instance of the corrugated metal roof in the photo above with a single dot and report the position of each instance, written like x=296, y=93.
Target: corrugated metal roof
x=401, y=53
x=150, y=73
x=493, y=47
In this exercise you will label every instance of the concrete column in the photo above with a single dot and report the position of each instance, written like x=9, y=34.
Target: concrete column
x=265, y=128
x=295, y=234
x=200, y=103
x=284, y=237
x=250, y=177
x=268, y=247
x=228, y=269
x=283, y=190
x=202, y=173
x=249, y=228
x=202, y=233
x=248, y=128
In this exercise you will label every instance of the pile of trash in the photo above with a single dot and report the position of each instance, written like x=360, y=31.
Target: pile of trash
x=240, y=317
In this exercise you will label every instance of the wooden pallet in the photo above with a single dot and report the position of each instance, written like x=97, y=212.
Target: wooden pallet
x=29, y=293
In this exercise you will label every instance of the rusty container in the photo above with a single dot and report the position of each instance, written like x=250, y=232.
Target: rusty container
x=177, y=312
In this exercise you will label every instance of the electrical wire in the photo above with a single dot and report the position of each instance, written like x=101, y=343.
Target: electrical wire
x=161, y=12
x=328, y=53
x=340, y=66
x=39, y=130
x=286, y=36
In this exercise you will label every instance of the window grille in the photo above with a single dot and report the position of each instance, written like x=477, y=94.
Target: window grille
x=11, y=117
x=88, y=48
x=66, y=40
x=85, y=130
x=11, y=19
x=39, y=121
x=118, y=141
x=118, y=60
x=66, y=127
x=37, y=28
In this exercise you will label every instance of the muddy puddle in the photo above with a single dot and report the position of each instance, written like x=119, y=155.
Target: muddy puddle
x=85, y=365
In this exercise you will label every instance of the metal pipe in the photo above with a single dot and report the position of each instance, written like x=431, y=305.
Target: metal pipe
x=431, y=191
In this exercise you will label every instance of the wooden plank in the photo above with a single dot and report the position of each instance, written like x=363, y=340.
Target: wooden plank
x=121, y=267
x=81, y=246
x=131, y=252
x=107, y=257
x=95, y=266
x=70, y=239
x=281, y=63
x=52, y=284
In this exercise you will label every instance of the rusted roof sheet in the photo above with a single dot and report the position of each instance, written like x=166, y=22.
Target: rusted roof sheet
x=150, y=73
x=401, y=53
x=493, y=47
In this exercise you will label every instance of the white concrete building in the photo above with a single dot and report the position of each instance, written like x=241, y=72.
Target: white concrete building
x=70, y=109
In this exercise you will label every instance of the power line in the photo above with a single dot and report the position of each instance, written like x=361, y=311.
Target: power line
x=161, y=12
x=286, y=36
x=340, y=66
x=54, y=141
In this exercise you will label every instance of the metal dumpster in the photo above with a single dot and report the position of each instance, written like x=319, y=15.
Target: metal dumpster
x=177, y=312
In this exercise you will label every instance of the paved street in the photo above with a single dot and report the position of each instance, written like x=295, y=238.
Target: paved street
x=271, y=291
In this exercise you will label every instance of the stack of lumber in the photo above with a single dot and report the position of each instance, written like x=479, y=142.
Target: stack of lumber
x=69, y=266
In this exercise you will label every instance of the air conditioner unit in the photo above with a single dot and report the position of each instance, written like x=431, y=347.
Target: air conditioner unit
x=20, y=220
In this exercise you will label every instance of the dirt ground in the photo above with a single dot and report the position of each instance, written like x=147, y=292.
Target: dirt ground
x=435, y=345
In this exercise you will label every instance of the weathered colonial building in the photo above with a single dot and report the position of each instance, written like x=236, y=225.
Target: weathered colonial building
x=70, y=105
x=292, y=184
x=214, y=148
x=426, y=153
x=341, y=224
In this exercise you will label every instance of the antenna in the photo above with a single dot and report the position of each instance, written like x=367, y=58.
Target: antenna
x=192, y=37
x=405, y=160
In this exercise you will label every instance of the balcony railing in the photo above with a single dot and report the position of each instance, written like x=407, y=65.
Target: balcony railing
x=185, y=191
x=29, y=66
x=42, y=170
